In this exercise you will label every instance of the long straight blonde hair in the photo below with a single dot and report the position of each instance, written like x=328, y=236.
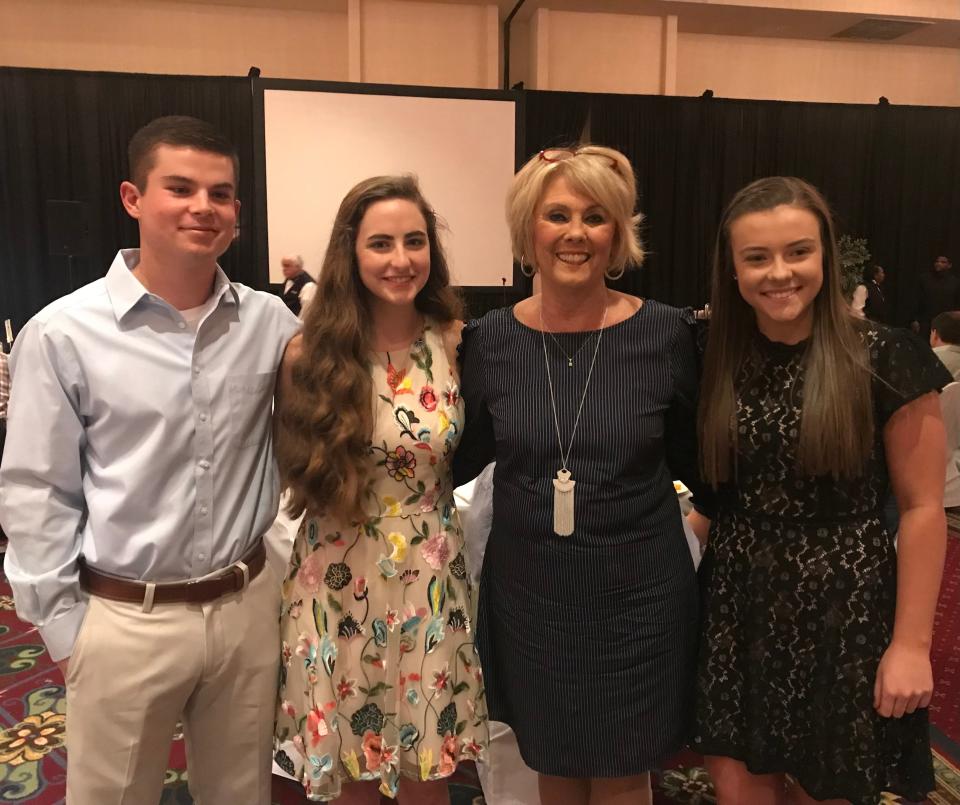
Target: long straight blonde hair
x=837, y=424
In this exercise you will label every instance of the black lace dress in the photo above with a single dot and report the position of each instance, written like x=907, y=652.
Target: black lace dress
x=800, y=590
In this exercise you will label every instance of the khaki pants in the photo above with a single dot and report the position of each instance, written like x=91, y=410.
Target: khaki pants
x=134, y=673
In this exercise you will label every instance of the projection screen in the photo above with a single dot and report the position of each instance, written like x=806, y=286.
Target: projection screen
x=318, y=144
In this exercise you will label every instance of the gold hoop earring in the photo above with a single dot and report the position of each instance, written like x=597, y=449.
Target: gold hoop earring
x=523, y=269
x=615, y=275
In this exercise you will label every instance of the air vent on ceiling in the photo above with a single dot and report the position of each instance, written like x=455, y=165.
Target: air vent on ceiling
x=880, y=30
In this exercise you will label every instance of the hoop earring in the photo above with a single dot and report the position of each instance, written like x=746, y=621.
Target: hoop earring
x=523, y=269
x=614, y=275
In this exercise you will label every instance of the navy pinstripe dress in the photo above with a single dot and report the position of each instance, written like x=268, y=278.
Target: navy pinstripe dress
x=588, y=642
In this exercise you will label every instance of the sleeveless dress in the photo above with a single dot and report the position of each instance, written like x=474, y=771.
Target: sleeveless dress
x=379, y=676
x=800, y=580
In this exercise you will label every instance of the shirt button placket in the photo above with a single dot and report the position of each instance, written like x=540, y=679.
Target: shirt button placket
x=203, y=520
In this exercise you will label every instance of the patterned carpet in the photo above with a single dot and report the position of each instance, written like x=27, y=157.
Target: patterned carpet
x=33, y=761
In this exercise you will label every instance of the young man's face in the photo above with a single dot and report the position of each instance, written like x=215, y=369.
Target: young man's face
x=188, y=207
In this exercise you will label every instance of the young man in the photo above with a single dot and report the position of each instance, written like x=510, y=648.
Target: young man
x=137, y=482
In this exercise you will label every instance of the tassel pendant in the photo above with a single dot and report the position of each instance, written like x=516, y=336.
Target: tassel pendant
x=563, y=503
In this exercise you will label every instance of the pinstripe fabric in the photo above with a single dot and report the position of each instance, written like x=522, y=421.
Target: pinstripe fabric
x=588, y=642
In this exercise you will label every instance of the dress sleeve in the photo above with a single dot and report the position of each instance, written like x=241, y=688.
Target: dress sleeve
x=477, y=445
x=682, y=446
x=905, y=369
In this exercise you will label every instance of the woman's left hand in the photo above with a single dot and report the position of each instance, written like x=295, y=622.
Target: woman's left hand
x=904, y=680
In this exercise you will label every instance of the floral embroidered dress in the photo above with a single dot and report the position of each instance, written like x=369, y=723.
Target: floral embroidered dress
x=379, y=676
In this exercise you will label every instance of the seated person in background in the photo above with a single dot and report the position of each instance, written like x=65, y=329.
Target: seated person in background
x=945, y=340
x=298, y=286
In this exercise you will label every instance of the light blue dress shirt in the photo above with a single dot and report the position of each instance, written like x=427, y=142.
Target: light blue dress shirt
x=137, y=440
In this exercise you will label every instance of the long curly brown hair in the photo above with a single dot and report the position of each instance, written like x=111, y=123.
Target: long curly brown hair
x=324, y=421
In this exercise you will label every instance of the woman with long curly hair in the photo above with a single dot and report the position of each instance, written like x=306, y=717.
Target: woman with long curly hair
x=379, y=678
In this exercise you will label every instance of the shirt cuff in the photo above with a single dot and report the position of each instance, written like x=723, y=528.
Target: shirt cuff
x=61, y=633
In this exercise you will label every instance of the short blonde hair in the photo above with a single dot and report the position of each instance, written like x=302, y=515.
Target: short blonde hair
x=602, y=174
x=296, y=259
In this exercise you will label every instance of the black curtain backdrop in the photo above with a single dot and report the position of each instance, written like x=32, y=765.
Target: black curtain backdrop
x=63, y=135
x=888, y=172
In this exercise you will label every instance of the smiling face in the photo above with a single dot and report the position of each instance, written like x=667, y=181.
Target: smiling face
x=393, y=251
x=188, y=207
x=778, y=260
x=573, y=237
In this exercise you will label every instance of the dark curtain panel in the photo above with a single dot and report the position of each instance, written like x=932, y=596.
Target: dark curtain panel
x=553, y=119
x=886, y=171
x=63, y=135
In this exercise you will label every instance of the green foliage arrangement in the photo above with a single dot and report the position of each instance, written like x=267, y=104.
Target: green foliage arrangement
x=854, y=255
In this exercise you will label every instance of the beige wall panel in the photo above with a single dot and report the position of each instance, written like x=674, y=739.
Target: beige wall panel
x=807, y=70
x=152, y=36
x=436, y=44
x=605, y=52
x=936, y=9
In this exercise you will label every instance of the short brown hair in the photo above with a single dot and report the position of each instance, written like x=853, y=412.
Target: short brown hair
x=178, y=131
x=947, y=326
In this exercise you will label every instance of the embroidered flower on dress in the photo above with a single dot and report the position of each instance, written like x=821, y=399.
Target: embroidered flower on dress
x=285, y=762
x=310, y=575
x=458, y=567
x=349, y=627
x=436, y=550
x=448, y=755
x=458, y=620
x=447, y=722
x=380, y=632
x=368, y=717
x=398, y=381
x=408, y=736
x=428, y=398
x=399, y=543
x=400, y=463
x=441, y=678
x=317, y=725
x=338, y=576
x=346, y=688
x=409, y=576
x=378, y=756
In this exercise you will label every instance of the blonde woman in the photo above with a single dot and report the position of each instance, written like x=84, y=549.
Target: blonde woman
x=585, y=396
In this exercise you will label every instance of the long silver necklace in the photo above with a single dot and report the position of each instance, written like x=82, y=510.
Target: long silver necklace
x=563, y=484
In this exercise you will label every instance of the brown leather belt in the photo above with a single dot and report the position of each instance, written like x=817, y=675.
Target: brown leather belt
x=230, y=580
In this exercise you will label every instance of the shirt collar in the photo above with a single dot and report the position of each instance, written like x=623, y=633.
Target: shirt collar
x=126, y=291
